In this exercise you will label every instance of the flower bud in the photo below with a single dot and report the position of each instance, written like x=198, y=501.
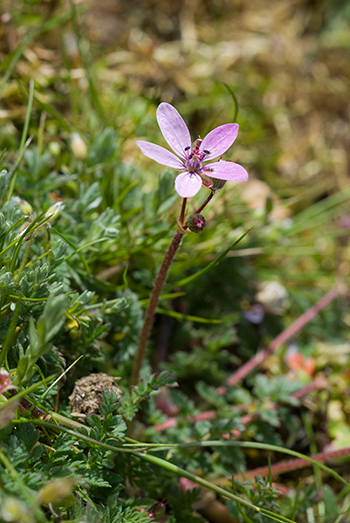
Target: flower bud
x=217, y=184
x=13, y=510
x=5, y=380
x=54, y=210
x=55, y=491
x=26, y=208
x=196, y=223
x=78, y=147
x=54, y=148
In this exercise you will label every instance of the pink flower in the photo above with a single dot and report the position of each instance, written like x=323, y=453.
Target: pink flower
x=191, y=160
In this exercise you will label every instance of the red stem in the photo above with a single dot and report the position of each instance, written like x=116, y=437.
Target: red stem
x=294, y=464
x=202, y=206
x=243, y=371
x=318, y=383
x=152, y=304
x=182, y=214
x=293, y=329
x=157, y=289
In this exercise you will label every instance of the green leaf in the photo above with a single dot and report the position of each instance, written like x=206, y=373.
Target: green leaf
x=110, y=400
x=40, y=338
x=52, y=318
x=4, y=182
x=189, y=279
x=103, y=147
x=94, y=421
x=117, y=427
x=179, y=316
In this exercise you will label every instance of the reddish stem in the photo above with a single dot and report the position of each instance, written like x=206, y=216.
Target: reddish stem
x=202, y=206
x=295, y=464
x=182, y=213
x=157, y=289
x=318, y=383
x=152, y=304
x=293, y=329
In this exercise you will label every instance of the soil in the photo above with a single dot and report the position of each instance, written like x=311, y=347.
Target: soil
x=86, y=396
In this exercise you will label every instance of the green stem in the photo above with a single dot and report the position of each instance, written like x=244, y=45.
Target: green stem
x=13, y=62
x=214, y=488
x=85, y=61
x=10, y=335
x=170, y=467
x=22, y=146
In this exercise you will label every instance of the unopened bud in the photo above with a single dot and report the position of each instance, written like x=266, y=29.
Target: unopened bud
x=78, y=147
x=54, y=210
x=5, y=380
x=217, y=184
x=196, y=223
x=13, y=510
x=26, y=208
x=55, y=491
x=54, y=148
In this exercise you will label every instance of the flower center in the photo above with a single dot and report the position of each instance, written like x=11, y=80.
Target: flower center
x=195, y=157
x=193, y=164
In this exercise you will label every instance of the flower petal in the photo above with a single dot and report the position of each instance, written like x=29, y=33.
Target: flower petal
x=173, y=129
x=159, y=154
x=226, y=171
x=188, y=184
x=219, y=140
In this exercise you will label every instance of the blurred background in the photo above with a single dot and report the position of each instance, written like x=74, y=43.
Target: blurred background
x=287, y=62
x=281, y=70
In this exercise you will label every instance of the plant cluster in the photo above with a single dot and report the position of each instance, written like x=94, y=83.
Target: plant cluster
x=234, y=370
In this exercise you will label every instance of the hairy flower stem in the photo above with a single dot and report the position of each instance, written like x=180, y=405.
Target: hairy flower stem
x=152, y=304
x=183, y=209
x=202, y=206
x=157, y=289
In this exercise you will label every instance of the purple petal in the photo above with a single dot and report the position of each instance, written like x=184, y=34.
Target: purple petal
x=159, y=154
x=219, y=140
x=188, y=184
x=173, y=129
x=226, y=171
